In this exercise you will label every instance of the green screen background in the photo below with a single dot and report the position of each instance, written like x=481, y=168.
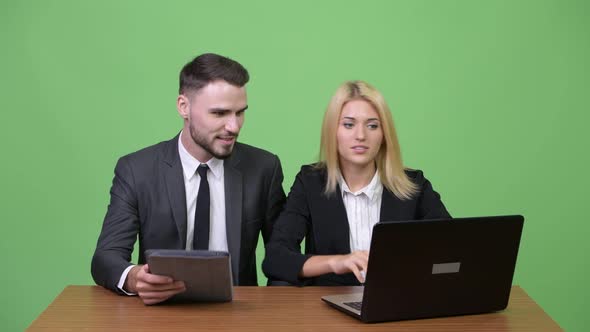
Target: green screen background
x=490, y=100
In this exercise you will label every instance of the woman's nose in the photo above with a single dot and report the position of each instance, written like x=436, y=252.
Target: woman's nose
x=360, y=133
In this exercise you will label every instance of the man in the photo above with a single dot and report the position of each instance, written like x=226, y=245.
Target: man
x=200, y=190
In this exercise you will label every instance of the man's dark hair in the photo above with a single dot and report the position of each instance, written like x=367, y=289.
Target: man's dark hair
x=210, y=67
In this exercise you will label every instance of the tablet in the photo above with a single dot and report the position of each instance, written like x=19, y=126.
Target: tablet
x=206, y=274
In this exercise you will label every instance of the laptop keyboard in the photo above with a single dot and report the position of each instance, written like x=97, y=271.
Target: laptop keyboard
x=354, y=305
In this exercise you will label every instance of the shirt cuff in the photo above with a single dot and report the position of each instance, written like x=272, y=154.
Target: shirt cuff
x=122, y=280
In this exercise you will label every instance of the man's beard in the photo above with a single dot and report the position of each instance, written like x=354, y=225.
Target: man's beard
x=202, y=142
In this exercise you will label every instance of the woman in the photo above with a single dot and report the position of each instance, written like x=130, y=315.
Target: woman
x=359, y=181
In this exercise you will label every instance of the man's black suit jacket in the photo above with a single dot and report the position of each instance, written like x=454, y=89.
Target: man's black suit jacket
x=322, y=220
x=148, y=200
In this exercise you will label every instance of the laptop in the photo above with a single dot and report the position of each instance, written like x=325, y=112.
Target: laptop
x=435, y=268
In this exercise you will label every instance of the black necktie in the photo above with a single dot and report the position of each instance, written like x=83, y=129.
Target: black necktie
x=201, y=231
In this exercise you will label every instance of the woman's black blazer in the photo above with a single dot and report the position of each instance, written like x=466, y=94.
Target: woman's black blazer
x=321, y=219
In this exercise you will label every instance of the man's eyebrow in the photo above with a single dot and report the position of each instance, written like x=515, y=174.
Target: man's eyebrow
x=219, y=109
x=225, y=110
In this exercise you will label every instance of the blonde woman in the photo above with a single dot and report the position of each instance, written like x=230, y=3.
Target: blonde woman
x=334, y=204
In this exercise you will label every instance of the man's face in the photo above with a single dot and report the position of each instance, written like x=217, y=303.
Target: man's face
x=214, y=116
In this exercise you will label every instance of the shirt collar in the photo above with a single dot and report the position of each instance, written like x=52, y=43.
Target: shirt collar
x=190, y=163
x=373, y=190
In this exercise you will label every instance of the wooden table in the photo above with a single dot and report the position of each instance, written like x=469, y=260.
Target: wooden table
x=92, y=308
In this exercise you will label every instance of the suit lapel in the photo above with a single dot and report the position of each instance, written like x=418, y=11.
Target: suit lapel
x=172, y=170
x=390, y=206
x=342, y=230
x=233, y=210
x=335, y=232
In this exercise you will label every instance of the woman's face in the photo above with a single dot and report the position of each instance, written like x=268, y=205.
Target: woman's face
x=359, y=135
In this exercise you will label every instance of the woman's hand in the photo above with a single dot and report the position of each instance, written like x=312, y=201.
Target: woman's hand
x=355, y=262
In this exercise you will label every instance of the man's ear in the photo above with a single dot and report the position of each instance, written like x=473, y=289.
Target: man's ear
x=183, y=106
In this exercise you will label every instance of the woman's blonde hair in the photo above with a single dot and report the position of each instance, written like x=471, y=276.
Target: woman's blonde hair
x=388, y=159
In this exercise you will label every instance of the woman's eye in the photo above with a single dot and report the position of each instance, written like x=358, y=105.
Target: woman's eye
x=373, y=126
x=347, y=125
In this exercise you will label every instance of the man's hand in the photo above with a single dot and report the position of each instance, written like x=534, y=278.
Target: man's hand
x=151, y=288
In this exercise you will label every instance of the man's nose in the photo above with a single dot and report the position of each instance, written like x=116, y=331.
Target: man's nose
x=233, y=124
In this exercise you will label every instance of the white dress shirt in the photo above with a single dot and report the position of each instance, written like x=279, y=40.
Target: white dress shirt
x=192, y=181
x=363, y=209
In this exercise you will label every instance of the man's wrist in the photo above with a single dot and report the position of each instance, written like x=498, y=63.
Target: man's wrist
x=131, y=279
